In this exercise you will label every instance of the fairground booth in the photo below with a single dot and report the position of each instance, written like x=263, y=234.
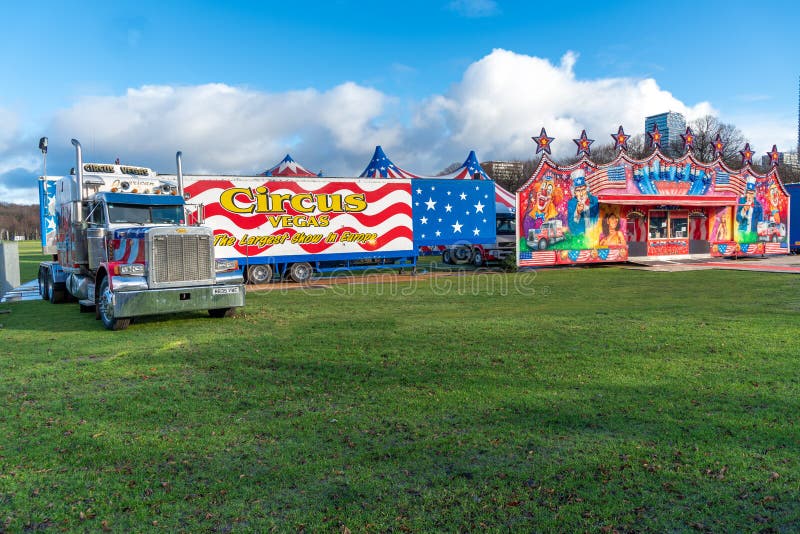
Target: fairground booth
x=654, y=207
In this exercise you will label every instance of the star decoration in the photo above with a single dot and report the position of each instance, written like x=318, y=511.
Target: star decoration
x=479, y=207
x=719, y=146
x=431, y=203
x=688, y=139
x=747, y=155
x=583, y=143
x=457, y=227
x=655, y=137
x=620, y=139
x=774, y=155
x=543, y=142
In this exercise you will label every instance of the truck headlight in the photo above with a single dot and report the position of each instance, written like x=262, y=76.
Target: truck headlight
x=226, y=265
x=130, y=269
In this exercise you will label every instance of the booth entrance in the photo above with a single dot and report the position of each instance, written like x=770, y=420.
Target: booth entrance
x=667, y=231
x=698, y=233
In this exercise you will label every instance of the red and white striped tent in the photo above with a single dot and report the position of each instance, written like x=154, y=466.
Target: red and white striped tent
x=288, y=167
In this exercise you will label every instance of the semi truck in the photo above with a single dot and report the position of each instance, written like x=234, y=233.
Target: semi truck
x=293, y=228
x=482, y=254
x=122, y=246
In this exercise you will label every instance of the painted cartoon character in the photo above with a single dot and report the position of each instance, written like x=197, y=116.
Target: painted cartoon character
x=774, y=202
x=612, y=236
x=542, y=201
x=749, y=212
x=582, y=208
x=722, y=228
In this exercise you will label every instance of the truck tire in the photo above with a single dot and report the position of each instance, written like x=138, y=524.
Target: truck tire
x=542, y=244
x=259, y=274
x=462, y=254
x=43, y=283
x=218, y=313
x=105, y=309
x=477, y=259
x=55, y=291
x=447, y=257
x=300, y=272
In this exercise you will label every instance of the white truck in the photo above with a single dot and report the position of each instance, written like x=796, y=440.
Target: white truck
x=121, y=246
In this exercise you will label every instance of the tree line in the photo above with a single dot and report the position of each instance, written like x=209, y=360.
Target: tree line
x=19, y=220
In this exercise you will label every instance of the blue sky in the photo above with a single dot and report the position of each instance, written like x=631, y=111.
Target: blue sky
x=236, y=85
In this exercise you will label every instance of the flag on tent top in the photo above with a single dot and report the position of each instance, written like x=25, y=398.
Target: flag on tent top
x=470, y=168
x=288, y=167
x=382, y=167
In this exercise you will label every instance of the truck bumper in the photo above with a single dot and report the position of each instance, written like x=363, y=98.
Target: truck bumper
x=179, y=299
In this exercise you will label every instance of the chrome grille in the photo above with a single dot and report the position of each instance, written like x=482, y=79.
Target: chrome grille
x=181, y=258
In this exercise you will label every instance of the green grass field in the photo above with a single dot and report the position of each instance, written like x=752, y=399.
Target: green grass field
x=565, y=400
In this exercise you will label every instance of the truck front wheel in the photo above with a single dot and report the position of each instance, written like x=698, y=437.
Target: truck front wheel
x=542, y=244
x=447, y=257
x=105, y=308
x=477, y=259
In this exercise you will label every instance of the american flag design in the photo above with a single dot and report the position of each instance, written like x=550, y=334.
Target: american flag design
x=532, y=259
x=726, y=182
x=606, y=178
x=566, y=257
x=288, y=167
x=127, y=245
x=387, y=217
x=776, y=248
x=449, y=212
x=380, y=166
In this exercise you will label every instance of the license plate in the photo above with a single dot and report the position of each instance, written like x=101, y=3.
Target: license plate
x=226, y=290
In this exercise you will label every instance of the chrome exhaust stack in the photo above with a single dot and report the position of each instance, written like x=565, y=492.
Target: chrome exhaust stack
x=180, y=172
x=78, y=168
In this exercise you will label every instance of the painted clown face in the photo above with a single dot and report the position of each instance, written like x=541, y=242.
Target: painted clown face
x=773, y=194
x=545, y=196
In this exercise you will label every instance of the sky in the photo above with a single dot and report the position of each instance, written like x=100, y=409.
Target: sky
x=237, y=85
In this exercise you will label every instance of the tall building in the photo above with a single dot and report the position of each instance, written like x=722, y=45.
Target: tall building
x=671, y=125
x=505, y=172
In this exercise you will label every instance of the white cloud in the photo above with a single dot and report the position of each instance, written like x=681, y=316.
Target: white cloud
x=505, y=98
x=501, y=101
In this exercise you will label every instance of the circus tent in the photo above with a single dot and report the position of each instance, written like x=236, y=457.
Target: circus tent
x=470, y=168
x=288, y=167
x=382, y=167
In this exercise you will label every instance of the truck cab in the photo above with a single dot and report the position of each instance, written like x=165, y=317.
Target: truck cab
x=122, y=247
x=480, y=255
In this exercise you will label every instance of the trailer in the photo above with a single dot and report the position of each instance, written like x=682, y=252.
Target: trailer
x=794, y=217
x=294, y=228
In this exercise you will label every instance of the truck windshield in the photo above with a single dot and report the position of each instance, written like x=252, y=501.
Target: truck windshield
x=506, y=226
x=139, y=214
